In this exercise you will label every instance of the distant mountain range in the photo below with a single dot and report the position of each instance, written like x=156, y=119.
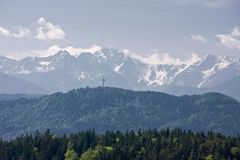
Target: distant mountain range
x=118, y=109
x=9, y=97
x=11, y=85
x=64, y=71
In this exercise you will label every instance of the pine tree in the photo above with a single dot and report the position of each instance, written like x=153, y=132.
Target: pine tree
x=70, y=153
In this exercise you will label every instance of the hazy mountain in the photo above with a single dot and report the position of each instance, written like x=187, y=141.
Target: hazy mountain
x=209, y=72
x=64, y=71
x=182, y=90
x=9, y=97
x=12, y=85
x=117, y=109
x=230, y=87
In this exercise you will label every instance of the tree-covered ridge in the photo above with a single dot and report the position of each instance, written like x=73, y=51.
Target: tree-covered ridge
x=165, y=144
x=118, y=109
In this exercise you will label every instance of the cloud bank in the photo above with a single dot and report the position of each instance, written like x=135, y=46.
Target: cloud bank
x=198, y=38
x=153, y=59
x=74, y=51
x=49, y=31
x=163, y=58
x=21, y=32
x=44, y=31
x=230, y=40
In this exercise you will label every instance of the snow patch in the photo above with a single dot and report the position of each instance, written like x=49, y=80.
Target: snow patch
x=155, y=78
x=180, y=70
x=101, y=54
x=206, y=76
x=45, y=63
x=80, y=77
x=45, y=69
x=223, y=64
x=117, y=68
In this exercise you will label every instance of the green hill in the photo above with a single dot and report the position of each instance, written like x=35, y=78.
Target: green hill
x=117, y=109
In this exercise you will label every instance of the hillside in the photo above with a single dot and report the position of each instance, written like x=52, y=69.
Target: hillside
x=230, y=87
x=117, y=109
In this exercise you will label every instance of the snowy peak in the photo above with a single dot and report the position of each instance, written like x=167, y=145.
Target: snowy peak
x=159, y=75
x=209, y=72
x=62, y=54
x=63, y=70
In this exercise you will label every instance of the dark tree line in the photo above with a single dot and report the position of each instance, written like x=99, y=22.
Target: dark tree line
x=142, y=145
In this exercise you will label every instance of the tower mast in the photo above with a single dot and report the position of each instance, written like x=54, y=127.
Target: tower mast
x=103, y=82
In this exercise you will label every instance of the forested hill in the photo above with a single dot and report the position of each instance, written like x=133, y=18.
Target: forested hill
x=141, y=145
x=117, y=109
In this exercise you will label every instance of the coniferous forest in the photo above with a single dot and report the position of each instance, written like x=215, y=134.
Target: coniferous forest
x=114, y=109
x=141, y=145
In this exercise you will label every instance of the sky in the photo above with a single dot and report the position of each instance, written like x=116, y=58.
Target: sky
x=173, y=28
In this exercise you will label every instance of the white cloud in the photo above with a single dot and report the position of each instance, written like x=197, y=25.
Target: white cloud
x=48, y=31
x=198, y=38
x=45, y=31
x=231, y=40
x=4, y=32
x=77, y=51
x=74, y=51
x=154, y=58
x=163, y=58
x=20, y=33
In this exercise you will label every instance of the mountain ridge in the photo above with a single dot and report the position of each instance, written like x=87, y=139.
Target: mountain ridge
x=12, y=85
x=65, y=71
x=119, y=109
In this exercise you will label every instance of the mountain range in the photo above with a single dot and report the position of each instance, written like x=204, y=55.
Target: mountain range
x=118, y=109
x=64, y=71
x=11, y=85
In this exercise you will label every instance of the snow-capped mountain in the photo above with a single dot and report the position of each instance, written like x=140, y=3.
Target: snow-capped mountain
x=208, y=72
x=64, y=71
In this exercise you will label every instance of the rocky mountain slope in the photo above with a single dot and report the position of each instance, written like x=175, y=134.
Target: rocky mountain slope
x=64, y=71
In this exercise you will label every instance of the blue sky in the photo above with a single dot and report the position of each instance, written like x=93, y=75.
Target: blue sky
x=176, y=27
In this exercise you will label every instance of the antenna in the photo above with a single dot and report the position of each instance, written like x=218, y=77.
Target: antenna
x=103, y=82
